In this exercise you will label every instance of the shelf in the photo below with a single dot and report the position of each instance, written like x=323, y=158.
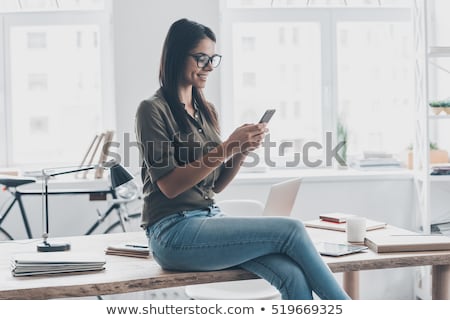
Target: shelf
x=439, y=116
x=443, y=178
x=439, y=55
x=439, y=52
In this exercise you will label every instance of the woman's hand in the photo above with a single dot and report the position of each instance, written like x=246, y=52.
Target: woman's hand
x=246, y=138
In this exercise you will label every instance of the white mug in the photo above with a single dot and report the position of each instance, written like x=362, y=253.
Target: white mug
x=356, y=229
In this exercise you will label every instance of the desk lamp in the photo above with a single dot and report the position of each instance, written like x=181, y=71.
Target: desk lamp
x=118, y=174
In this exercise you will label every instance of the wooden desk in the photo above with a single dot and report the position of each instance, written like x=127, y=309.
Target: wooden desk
x=124, y=274
x=351, y=264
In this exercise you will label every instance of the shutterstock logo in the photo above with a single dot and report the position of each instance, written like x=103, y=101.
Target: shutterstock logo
x=267, y=150
x=303, y=157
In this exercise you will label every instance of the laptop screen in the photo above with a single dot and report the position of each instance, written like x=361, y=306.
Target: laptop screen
x=282, y=197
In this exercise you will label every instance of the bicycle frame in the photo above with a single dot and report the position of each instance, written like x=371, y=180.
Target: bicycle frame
x=114, y=206
x=18, y=198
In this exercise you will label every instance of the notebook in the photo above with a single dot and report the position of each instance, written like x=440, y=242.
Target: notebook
x=337, y=217
x=382, y=243
x=281, y=198
x=136, y=250
x=29, y=264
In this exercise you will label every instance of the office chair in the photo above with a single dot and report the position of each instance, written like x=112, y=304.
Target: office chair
x=257, y=289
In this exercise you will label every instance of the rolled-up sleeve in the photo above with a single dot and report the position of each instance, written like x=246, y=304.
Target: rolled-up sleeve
x=154, y=140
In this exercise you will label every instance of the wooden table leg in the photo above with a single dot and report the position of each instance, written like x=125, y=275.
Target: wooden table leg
x=351, y=284
x=440, y=282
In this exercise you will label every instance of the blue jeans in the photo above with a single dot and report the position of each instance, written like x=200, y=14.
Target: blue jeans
x=277, y=249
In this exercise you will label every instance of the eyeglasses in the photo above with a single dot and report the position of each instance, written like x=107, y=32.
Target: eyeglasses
x=203, y=60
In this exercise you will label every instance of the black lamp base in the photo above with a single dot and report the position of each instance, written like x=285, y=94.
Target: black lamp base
x=52, y=247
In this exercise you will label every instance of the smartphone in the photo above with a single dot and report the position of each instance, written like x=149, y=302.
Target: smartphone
x=267, y=116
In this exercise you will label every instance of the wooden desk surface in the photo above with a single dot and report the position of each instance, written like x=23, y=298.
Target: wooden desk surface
x=371, y=260
x=125, y=274
x=122, y=274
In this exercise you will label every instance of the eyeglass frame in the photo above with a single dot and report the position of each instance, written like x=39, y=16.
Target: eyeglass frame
x=197, y=57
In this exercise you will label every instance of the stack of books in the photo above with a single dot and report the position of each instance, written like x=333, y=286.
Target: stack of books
x=376, y=163
x=31, y=264
x=441, y=170
x=374, y=160
x=135, y=250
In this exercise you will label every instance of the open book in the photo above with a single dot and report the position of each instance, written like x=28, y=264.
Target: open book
x=136, y=250
x=29, y=264
x=336, y=226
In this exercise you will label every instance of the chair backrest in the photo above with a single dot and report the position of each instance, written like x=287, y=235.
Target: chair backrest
x=280, y=201
x=241, y=207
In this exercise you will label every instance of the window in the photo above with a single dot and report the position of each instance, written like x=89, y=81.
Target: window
x=285, y=75
x=321, y=68
x=57, y=74
x=374, y=84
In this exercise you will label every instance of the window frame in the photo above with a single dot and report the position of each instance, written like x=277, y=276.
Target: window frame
x=328, y=18
x=3, y=111
x=8, y=20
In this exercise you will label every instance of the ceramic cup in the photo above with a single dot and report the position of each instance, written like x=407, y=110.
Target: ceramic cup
x=356, y=229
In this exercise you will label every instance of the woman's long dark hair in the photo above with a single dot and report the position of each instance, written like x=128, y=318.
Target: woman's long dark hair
x=183, y=36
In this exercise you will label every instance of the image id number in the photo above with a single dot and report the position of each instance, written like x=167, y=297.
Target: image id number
x=306, y=309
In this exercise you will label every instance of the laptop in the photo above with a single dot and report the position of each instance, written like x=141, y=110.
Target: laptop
x=281, y=198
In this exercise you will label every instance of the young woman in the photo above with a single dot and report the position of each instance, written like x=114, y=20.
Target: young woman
x=185, y=163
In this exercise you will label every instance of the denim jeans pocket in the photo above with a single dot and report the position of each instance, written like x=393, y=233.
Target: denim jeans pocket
x=156, y=229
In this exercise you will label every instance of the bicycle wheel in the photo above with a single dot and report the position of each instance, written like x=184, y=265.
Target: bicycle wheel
x=4, y=236
x=131, y=222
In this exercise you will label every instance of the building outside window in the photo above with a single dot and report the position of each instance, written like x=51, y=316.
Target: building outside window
x=56, y=92
x=321, y=64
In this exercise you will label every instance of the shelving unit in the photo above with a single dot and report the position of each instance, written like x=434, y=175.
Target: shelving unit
x=438, y=117
x=426, y=57
x=439, y=52
x=437, y=179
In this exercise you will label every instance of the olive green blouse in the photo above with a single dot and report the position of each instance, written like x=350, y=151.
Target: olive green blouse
x=162, y=148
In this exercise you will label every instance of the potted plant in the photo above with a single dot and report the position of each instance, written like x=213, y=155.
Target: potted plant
x=342, y=136
x=437, y=106
x=436, y=155
x=446, y=106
